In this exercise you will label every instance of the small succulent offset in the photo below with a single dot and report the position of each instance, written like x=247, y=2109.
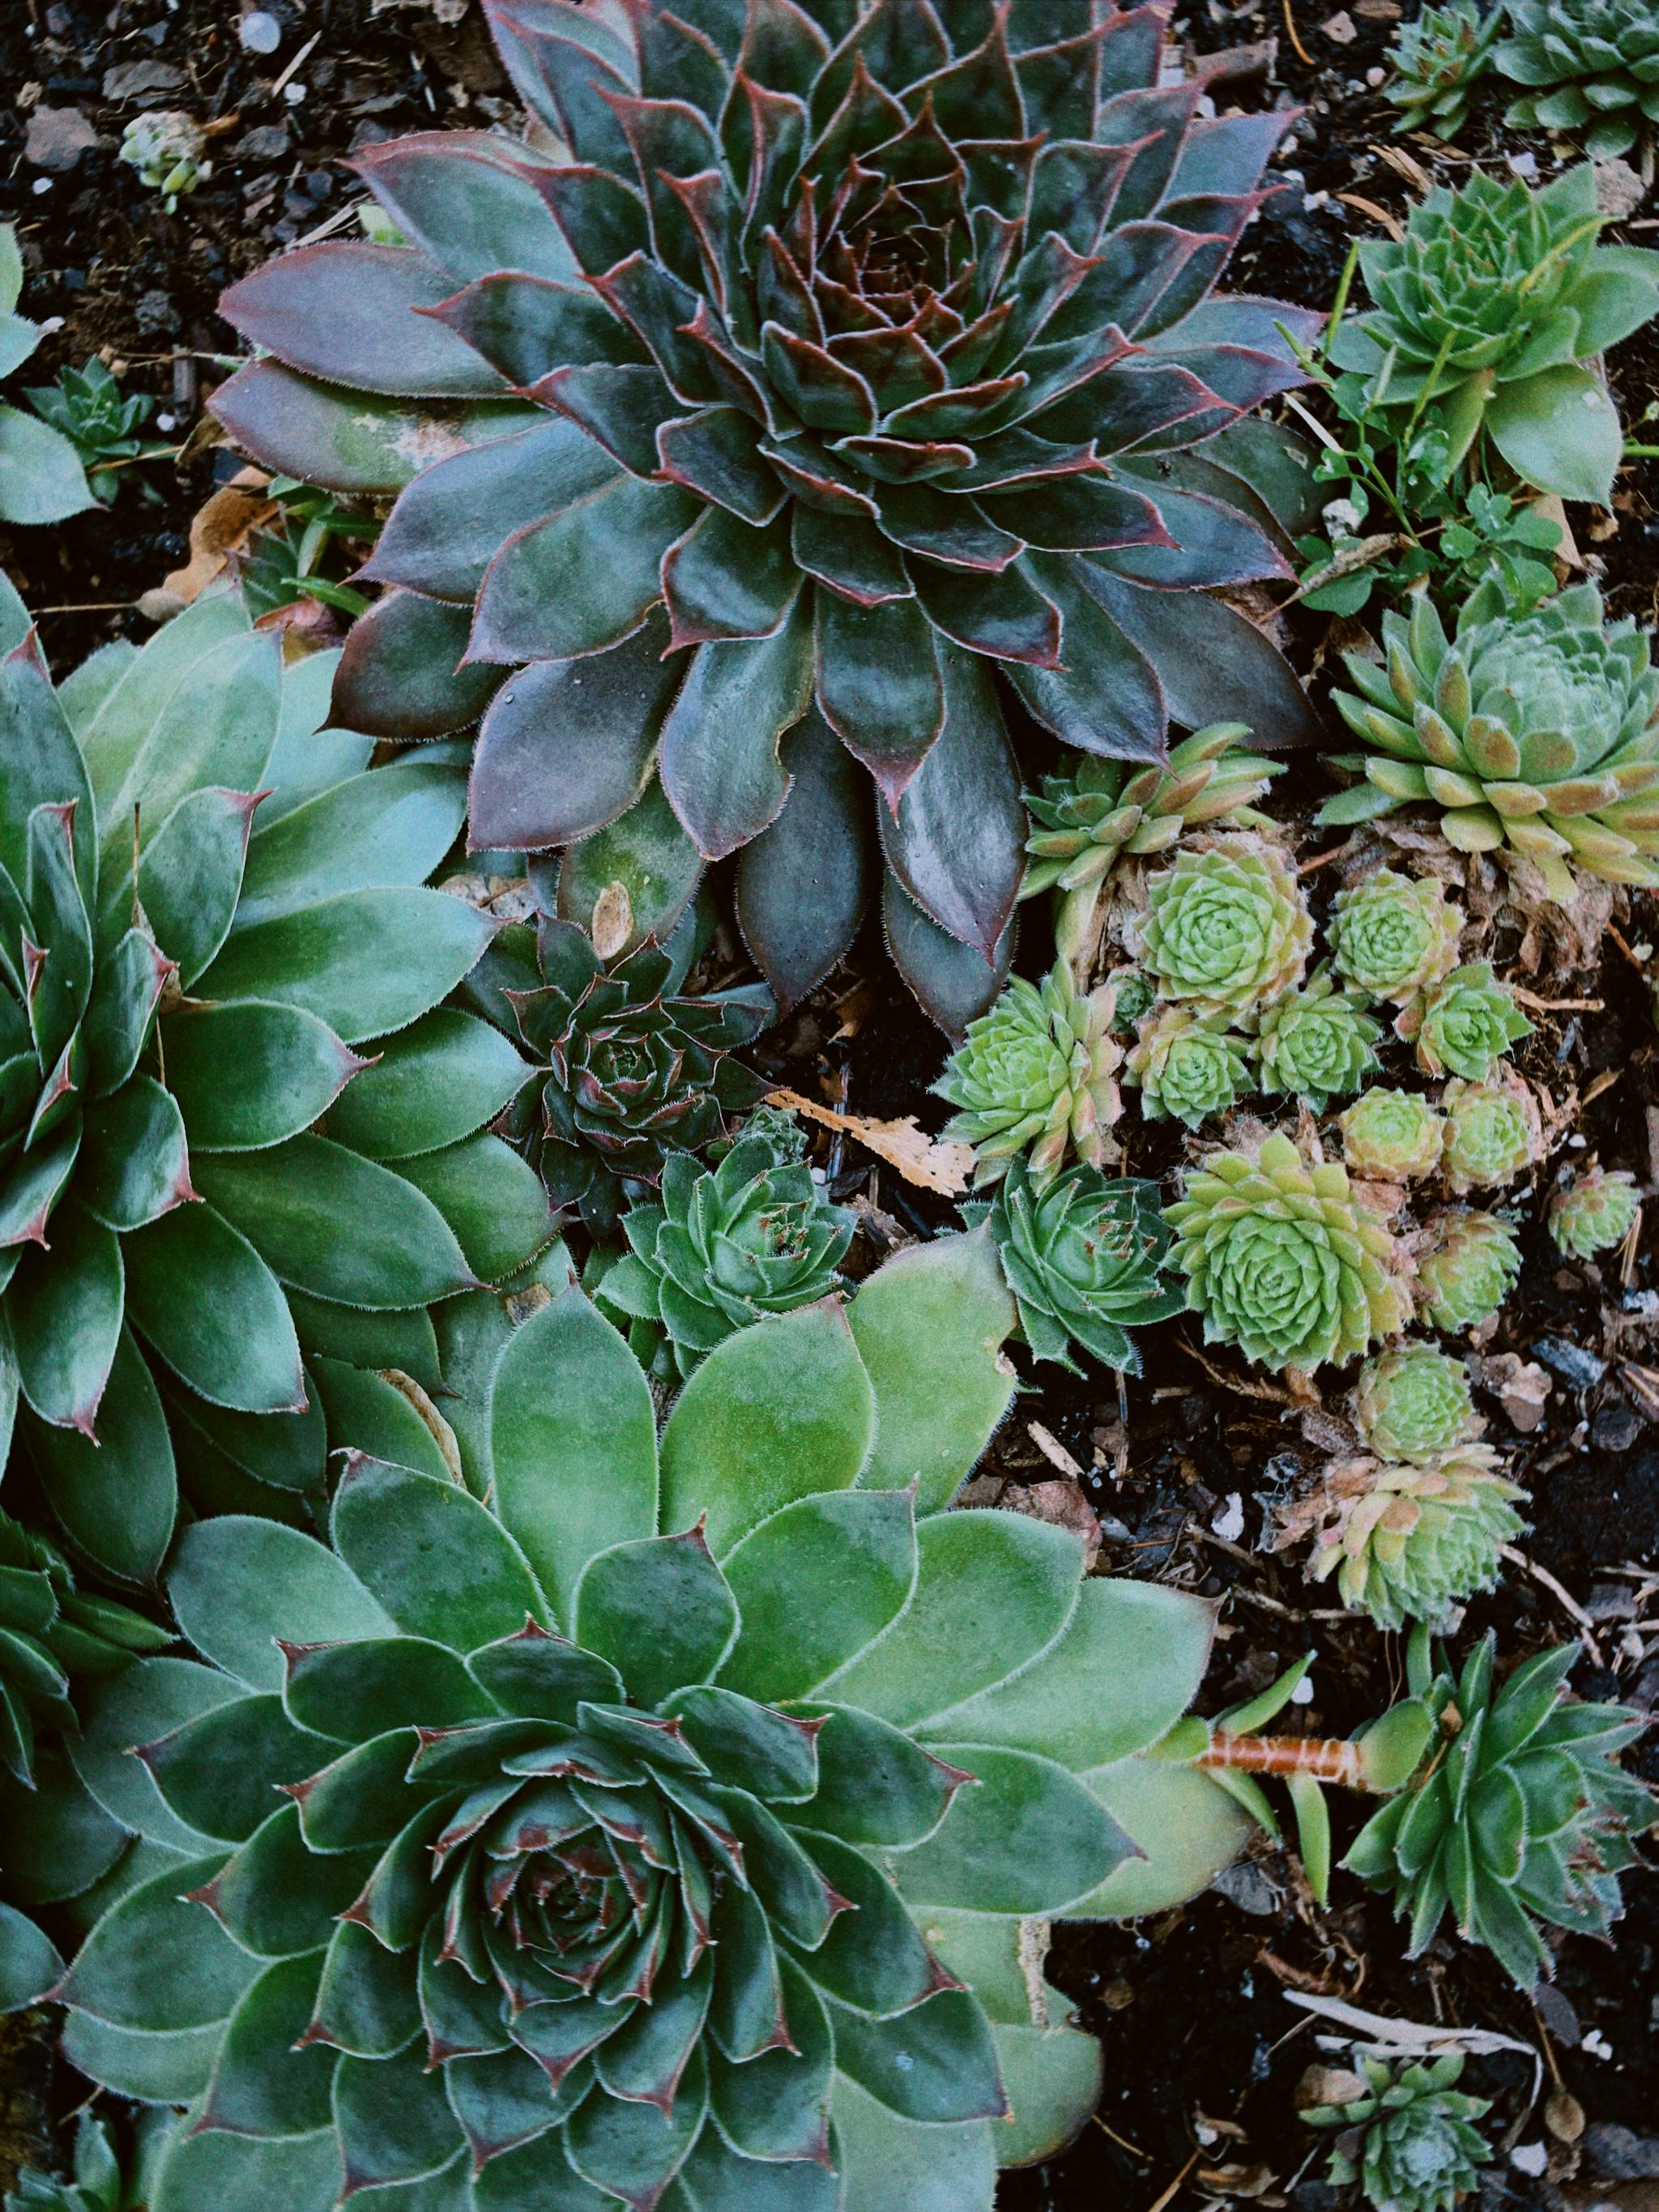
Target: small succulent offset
x=1226, y=928
x=1438, y=59
x=1281, y=1260
x=89, y=407
x=1494, y=1132
x=1189, y=1065
x=101, y=2182
x=721, y=1247
x=41, y=479
x=166, y=146
x=1541, y=735
x=1468, y=1264
x=1465, y=1025
x=1585, y=62
x=1516, y=1816
x=1405, y=1542
x=1037, y=1074
x=1317, y=1044
x=1395, y=936
x=1084, y=1259
x=667, y=1829
x=792, y=416
x=1594, y=1213
x=1394, y=1135
x=1410, y=2140
x=1482, y=317
x=1413, y=1402
x=1085, y=821
x=51, y=1634
x=214, y=932
x=634, y=1071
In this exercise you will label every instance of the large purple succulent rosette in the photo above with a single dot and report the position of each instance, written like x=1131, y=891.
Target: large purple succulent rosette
x=812, y=382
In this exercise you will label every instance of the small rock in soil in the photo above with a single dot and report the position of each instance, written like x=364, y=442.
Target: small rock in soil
x=1615, y=1428
x=1582, y=1369
x=1249, y=1889
x=57, y=136
x=1616, y=2153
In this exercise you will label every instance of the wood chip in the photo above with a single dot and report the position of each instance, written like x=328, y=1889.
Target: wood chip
x=930, y=1164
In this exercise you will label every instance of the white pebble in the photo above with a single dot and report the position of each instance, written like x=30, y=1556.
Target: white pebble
x=260, y=34
x=1595, y=2043
x=166, y=422
x=1229, y=1523
x=41, y=186
x=1304, y=1692
x=1522, y=164
x=1375, y=76
x=295, y=93
x=1530, y=2158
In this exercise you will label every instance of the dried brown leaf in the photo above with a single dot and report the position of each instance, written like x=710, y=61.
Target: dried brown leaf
x=929, y=1163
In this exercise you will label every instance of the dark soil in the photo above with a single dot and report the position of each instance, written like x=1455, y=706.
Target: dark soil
x=1203, y=2041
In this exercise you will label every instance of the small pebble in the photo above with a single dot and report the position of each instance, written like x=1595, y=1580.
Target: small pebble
x=260, y=34
x=1375, y=76
x=1229, y=1523
x=1584, y=1370
x=294, y=93
x=1530, y=2158
x=41, y=185
x=1597, y=2045
x=1522, y=164
x=1304, y=1692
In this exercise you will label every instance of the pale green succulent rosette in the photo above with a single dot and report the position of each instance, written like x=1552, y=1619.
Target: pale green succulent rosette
x=1316, y=1043
x=1281, y=1261
x=1407, y=1540
x=1590, y=66
x=665, y=1830
x=1189, y=1066
x=1540, y=735
x=1392, y=1133
x=1394, y=935
x=1035, y=1075
x=1226, y=928
x=1467, y=1265
x=1085, y=821
x=724, y=1246
x=1438, y=60
x=1493, y=1131
x=1084, y=1259
x=1413, y=1402
x=1467, y=1023
x=1411, y=2142
x=1482, y=318
x=1594, y=1213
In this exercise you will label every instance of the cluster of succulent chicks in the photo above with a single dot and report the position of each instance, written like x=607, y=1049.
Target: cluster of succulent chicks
x=1298, y=1259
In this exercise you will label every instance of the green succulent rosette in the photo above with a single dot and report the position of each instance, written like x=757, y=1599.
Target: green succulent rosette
x=1516, y=1815
x=1541, y=735
x=1394, y=935
x=1410, y=2141
x=666, y=1829
x=101, y=2180
x=1413, y=1402
x=1436, y=61
x=1189, y=1065
x=1316, y=1043
x=1483, y=316
x=1406, y=1540
x=1465, y=1025
x=1226, y=928
x=1132, y=996
x=1493, y=1131
x=1391, y=1133
x=630, y=1071
x=723, y=1247
x=1468, y=1264
x=808, y=483
x=244, y=1144
x=1036, y=1075
x=1589, y=66
x=1594, y=1213
x=1282, y=1261
x=1087, y=820
x=1084, y=1259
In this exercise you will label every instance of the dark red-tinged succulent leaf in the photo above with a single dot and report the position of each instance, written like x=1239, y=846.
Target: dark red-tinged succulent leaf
x=401, y=673
x=345, y=311
x=442, y=537
x=952, y=982
x=719, y=755
x=803, y=884
x=901, y=331
x=351, y=442
x=468, y=200
x=955, y=840
x=1213, y=662
x=598, y=719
